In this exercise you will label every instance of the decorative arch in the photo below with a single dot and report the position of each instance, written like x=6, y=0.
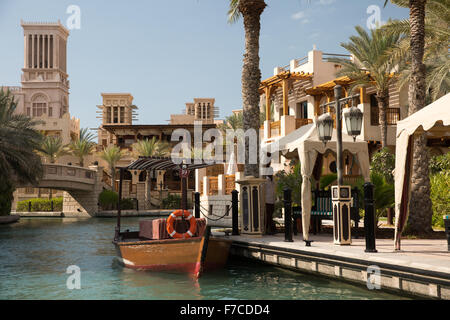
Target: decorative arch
x=39, y=105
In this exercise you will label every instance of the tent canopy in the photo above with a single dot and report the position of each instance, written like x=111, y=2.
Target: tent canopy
x=306, y=141
x=434, y=119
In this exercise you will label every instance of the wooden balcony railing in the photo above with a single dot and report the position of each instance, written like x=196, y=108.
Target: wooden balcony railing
x=276, y=125
x=302, y=122
x=213, y=186
x=392, y=115
x=229, y=183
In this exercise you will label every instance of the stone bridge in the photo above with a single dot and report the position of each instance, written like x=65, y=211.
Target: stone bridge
x=82, y=186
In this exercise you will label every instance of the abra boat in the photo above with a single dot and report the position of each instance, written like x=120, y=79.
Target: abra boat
x=167, y=245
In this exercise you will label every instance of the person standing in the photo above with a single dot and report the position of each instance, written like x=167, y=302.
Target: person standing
x=270, y=205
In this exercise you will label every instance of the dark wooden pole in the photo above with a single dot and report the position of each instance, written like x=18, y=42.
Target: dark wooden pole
x=183, y=194
x=197, y=205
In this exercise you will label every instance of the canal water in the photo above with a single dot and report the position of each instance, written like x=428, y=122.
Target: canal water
x=36, y=252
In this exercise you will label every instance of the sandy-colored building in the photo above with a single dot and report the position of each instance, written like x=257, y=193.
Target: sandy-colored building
x=44, y=90
x=117, y=113
x=202, y=109
x=296, y=92
x=44, y=93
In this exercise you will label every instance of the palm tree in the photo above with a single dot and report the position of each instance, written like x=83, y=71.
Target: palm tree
x=250, y=11
x=112, y=154
x=19, y=142
x=436, y=57
x=420, y=207
x=151, y=148
x=370, y=67
x=83, y=145
x=53, y=148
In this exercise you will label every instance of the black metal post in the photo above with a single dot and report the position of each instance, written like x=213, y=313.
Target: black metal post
x=119, y=205
x=339, y=154
x=51, y=205
x=287, y=216
x=197, y=205
x=369, y=217
x=29, y=206
x=235, y=212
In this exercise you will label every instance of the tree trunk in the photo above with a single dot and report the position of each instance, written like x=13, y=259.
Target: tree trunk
x=251, y=11
x=420, y=209
x=113, y=179
x=383, y=104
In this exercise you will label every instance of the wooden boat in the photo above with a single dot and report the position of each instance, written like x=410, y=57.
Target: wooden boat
x=9, y=219
x=195, y=254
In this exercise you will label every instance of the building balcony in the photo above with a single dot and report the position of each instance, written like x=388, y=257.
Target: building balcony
x=283, y=127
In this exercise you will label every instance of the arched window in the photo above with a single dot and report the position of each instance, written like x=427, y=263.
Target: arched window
x=39, y=105
x=142, y=176
x=127, y=175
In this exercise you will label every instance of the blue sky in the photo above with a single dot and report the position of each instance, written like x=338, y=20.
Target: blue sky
x=165, y=53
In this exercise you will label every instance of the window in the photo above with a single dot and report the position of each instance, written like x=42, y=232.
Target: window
x=122, y=114
x=374, y=117
x=392, y=115
x=302, y=110
x=108, y=114
x=115, y=115
x=39, y=109
x=50, y=111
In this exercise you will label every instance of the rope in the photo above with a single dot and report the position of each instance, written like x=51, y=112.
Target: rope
x=220, y=218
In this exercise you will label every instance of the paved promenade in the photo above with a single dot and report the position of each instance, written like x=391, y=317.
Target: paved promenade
x=421, y=268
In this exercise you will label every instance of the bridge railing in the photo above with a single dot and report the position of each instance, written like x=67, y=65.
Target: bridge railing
x=70, y=173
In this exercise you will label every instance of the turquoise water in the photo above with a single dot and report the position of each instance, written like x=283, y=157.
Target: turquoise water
x=35, y=253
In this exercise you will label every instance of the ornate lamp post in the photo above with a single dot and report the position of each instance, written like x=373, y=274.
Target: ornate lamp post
x=341, y=195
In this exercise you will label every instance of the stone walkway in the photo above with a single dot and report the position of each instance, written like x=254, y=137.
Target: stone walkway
x=421, y=253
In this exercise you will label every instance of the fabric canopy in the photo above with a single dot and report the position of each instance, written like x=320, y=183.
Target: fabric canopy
x=435, y=119
x=306, y=141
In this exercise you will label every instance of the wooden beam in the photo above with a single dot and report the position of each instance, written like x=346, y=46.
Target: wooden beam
x=285, y=84
x=363, y=98
x=268, y=92
x=317, y=105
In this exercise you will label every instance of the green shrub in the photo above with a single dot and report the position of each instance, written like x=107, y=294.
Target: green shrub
x=440, y=186
x=291, y=179
x=439, y=163
x=108, y=199
x=383, y=162
x=41, y=205
x=173, y=201
x=127, y=204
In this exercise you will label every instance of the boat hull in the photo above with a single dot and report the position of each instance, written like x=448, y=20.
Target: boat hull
x=182, y=255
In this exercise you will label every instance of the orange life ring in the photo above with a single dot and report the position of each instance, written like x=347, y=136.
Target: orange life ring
x=188, y=216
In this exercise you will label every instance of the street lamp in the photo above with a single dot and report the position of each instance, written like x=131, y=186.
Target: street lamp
x=324, y=126
x=353, y=121
x=340, y=194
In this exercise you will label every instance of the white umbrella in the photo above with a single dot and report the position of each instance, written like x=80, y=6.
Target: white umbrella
x=232, y=165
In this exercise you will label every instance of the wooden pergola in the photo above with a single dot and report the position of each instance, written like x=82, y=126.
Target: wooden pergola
x=283, y=80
